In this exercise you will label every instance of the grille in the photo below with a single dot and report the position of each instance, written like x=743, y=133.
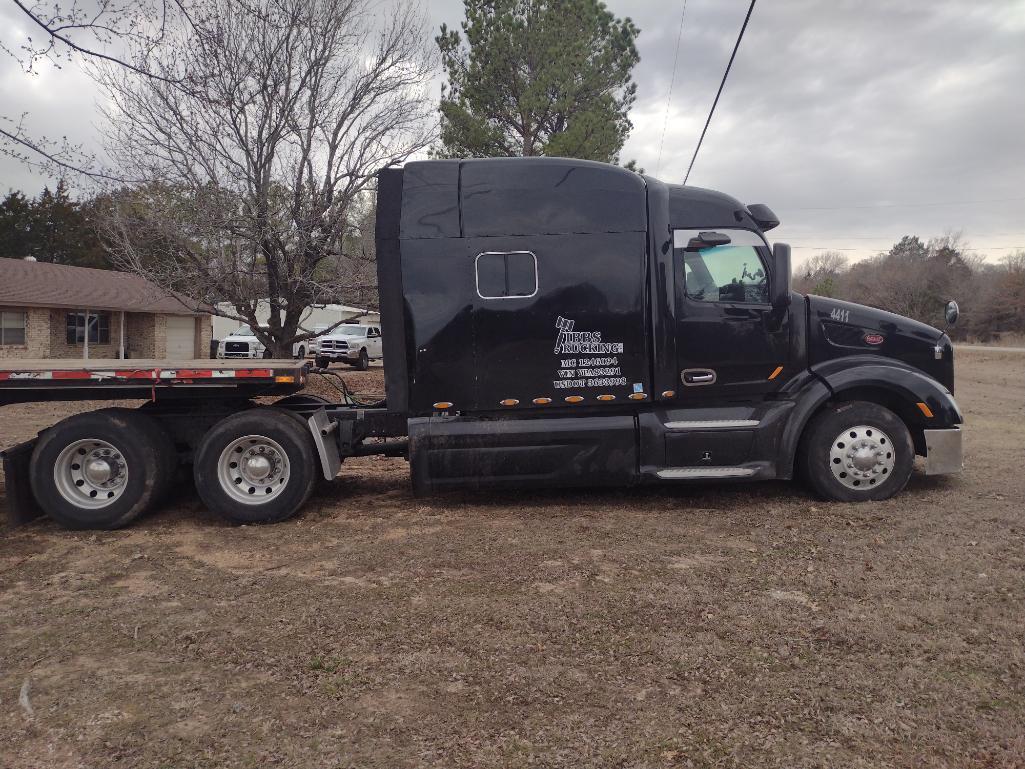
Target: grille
x=236, y=346
x=331, y=345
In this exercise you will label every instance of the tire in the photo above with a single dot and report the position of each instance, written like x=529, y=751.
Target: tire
x=267, y=355
x=134, y=463
x=283, y=459
x=322, y=484
x=363, y=362
x=301, y=354
x=856, y=452
x=322, y=362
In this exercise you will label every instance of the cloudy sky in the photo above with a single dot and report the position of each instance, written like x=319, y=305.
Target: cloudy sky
x=857, y=121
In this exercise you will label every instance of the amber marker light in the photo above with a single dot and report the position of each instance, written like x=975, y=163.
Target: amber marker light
x=924, y=408
x=289, y=379
x=509, y=402
x=638, y=396
x=442, y=405
x=574, y=398
x=669, y=394
x=606, y=397
x=776, y=373
x=542, y=401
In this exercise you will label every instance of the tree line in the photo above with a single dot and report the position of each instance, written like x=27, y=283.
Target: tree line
x=916, y=278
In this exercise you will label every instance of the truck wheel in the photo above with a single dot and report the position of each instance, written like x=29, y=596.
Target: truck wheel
x=267, y=355
x=257, y=466
x=323, y=362
x=301, y=353
x=363, y=362
x=856, y=452
x=101, y=469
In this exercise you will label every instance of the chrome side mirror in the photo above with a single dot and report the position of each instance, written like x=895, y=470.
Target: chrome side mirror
x=951, y=312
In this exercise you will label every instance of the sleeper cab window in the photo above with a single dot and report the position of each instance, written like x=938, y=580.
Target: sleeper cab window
x=506, y=274
x=732, y=273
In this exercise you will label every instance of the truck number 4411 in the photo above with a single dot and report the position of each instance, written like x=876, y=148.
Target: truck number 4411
x=843, y=316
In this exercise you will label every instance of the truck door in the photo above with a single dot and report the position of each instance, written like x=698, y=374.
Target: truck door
x=730, y=343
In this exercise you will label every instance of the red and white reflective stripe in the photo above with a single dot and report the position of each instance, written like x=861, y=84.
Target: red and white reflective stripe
x=144, y=374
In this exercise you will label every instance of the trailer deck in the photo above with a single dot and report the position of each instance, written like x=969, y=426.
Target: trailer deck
x=27, y=380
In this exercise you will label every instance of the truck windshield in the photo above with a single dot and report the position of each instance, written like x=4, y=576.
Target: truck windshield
x=242, y=331
x=731, y=273
x=352, y=330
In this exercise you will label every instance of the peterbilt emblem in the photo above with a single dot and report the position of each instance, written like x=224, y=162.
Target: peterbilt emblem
x=874, y=338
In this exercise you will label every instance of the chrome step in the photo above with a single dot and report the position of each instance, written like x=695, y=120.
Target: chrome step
x=691, y=473
x=712, y=424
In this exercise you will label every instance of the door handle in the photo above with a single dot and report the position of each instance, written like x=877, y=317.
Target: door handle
x=693, y=377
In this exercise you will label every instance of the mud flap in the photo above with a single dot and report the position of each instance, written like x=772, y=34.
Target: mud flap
x=20, y=506
x=327, y=444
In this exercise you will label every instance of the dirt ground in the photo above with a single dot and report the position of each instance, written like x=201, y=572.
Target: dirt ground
x=742, y=626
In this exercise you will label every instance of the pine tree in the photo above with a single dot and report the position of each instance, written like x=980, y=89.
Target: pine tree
x=537, y=77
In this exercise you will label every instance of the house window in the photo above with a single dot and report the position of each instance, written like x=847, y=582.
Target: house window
x=12, y=328
x=506, y=275
x=99, y=328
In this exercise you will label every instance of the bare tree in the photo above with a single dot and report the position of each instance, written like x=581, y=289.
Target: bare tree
x=97, y=31
x=258, y=169
x=821, y=273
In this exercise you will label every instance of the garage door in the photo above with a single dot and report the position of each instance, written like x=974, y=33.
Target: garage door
x=181, y=337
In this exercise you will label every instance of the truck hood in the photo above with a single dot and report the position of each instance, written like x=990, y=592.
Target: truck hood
x=839, y=329
x=239, y=338
x=342, y=337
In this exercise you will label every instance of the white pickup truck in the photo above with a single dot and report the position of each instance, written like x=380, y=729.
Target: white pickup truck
x=350, y=343
x=242, y=343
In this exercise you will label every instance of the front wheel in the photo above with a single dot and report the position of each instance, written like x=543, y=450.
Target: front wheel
x=257, y=466
x=856, y=451
x=322, y=362
x=363, y=362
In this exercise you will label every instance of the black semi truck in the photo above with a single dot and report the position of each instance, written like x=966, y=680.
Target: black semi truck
x=552, y=322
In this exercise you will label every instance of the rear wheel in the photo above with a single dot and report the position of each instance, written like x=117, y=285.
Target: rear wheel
x=258, y=466
x=856, y=451
x=301, y=354
x=101, y=469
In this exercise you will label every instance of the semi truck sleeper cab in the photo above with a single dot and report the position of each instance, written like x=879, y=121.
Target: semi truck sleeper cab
x=545, y=322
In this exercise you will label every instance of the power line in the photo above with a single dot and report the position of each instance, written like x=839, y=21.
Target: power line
x=900, y=205
x=895, y=238
x=718, y=93
x=669, y=96
x=865, y=248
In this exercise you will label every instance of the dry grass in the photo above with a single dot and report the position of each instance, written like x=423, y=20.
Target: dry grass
x=728, y=627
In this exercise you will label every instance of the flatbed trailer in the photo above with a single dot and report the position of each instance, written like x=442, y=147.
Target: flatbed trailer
x=23, y=381
x=181, y=401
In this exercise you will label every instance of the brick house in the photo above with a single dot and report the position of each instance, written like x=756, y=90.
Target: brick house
x=57, y=311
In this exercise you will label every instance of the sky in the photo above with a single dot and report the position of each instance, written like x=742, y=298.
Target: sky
x=856, y=121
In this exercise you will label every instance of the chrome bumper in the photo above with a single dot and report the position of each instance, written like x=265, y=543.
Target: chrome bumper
x=943, y=451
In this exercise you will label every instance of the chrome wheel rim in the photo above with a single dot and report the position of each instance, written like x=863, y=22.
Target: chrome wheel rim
x=862, y=457
x=90, y=474
x=253, y=469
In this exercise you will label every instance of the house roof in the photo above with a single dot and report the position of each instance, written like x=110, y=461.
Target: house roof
x=41, y=284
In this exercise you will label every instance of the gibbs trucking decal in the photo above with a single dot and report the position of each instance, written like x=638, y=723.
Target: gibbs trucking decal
x=585, y=360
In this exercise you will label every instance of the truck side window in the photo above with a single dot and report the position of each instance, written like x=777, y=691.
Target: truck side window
x=507, y=274
x=733, y=273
